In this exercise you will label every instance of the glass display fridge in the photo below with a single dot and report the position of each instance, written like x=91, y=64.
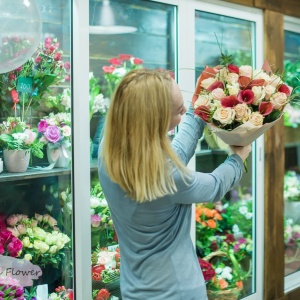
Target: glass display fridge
x=292, y=158
x=57, y=236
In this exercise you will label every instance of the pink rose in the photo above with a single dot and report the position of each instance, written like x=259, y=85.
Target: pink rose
x=52, y=134
x=95, y=220
x=12, y=220
x=218, y=94
x=108, y=69
x=42, y=126
x=30, y=136
x=5, y=236
x=116, y=61
x=57, y=56
x=22, y=229
x=38, y=59
x=67, y=65
x=14, y=247
x=137, y=61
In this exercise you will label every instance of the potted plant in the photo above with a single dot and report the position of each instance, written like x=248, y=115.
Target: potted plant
x=19, y=141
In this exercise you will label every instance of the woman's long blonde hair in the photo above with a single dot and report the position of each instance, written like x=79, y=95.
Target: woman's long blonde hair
x=136, y=149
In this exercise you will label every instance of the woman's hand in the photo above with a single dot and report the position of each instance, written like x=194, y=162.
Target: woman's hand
x=242, y=151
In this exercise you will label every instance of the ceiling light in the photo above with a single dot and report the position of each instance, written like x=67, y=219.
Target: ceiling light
x=103, y=21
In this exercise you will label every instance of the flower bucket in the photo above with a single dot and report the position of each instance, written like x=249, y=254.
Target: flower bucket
x=16, y=161
x=59, y=156
x=228, y=294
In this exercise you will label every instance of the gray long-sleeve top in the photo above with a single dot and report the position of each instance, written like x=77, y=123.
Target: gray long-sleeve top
x=158, y=259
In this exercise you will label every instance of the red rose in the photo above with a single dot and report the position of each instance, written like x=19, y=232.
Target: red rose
x=57, y=56
x=137, y=61
x=38, y=59
x=108, y=69
x=14, y=96
x=203, y=112
x=116, y=61
x=216, y=85
x=125, y=56
x=230, y=101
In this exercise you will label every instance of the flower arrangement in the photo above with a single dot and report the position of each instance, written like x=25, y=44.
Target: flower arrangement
x=56, y=130
x=119, y=66
x=98, y=103
x=106, y=264
x=226, y=275
x=240, y=103
x=11, y=289
x=291, y=190
x=17, y=135
x=42, y=241
x=291, y=234
x=26, y=84
x=207, y=226
x=61, y=293
x=106, y=272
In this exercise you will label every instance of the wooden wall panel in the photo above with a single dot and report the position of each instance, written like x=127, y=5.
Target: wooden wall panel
x=242, y=2
x=274, y=171
x=287, y=7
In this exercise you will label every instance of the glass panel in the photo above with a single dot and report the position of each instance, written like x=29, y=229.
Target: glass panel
x=225, y=230
x=292, y=158
x=35, y=115
x=144, y=36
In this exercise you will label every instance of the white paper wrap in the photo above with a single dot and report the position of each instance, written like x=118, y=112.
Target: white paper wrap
x=243, y=135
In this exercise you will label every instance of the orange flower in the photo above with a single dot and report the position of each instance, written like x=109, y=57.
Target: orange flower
x=211, y=223
x=203, y=224
x=239, y=284
x=208, y=212
x=223, y=284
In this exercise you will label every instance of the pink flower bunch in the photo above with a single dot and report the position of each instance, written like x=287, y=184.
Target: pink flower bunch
x=55, y=129
x=9, y=244
x=10, y=288
x=229, y=96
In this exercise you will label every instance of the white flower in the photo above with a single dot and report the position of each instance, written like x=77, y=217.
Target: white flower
x=235, y=228
x=28, y=257
x=94, y=202
x=248, y=215
x=120, y=72
x=233, y=89
x=243, y=210
x=218, y=270
x=206, y=83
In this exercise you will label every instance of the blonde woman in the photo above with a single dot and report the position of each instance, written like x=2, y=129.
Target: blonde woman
x=150, y=191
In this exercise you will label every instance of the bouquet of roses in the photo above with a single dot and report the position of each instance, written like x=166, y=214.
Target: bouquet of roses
x=240, y=103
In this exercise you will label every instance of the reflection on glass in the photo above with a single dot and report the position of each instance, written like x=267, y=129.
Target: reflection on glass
x=292, y=158
x=151, y=45
x=36, y=203
x=224, y=230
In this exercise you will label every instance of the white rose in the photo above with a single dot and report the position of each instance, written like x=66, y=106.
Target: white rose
x=53, y=249
x=39, y=233
x=225, y=115
x=259, y=94
x=232, y=78
x=245, y=71
x=233, y=89
x=242, y=112
x=269, y=90
x=260, y=74
x=218, y=94
x=26, y=242
x=256, y=118
x=223, y=73
x=28, y=257
x=206, y=83
x=278, y=100
x=275, y=80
